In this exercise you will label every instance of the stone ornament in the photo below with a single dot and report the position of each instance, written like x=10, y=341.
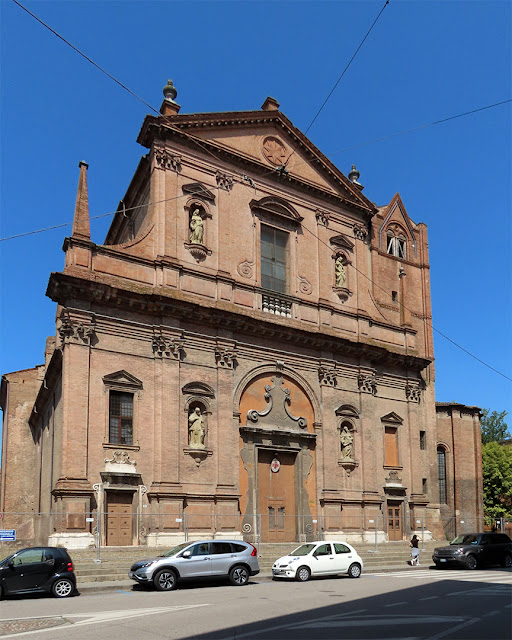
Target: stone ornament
x=274, y=151
x=167, y=347
x=224, y=181
x=121, y=457
x=196, y=228
x=225, y=357
x=196, y=429
x=276, y=413
x=322, y=217
x=361, y=233
x=340, y=275
x=245, y=269
x=327, y=377
x=166, y=160
x=367, y=384
x=393, y=478
x=76, y=332
x=347, y=442
x=413, y=394
x=304, y=285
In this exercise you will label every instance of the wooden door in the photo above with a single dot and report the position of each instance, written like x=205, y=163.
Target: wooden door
x=276, y=496
x=119, y=519
x=394, y=521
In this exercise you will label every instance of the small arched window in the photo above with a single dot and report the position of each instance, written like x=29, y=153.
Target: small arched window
x=441, y=474
x=396, y=245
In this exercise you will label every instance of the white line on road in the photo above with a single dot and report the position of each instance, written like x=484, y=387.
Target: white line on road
x=375, y=621
x=395, y=604
x=442, y=634
x=429, y=598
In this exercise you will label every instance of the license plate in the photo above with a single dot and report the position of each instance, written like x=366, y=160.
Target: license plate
x=443, y=559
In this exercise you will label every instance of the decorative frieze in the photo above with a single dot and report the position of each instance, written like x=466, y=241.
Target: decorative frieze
x=360, y=232
x=165, y=347
x=224, y=180
x=367, y=383
x=76, y=332
x=322, y=217
x=413, y=394
x=328, y=376
x=167, y=160
x=225, y=357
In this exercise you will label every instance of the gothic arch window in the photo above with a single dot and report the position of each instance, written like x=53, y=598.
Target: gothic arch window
x=441, y=474
x=396, y=243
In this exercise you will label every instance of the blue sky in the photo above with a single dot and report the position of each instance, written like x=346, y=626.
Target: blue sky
x=423, y=61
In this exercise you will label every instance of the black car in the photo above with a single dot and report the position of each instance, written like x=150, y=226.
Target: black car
x=475, y=549
x=38, y=570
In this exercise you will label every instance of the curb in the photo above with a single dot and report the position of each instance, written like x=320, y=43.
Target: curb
x=128, y=585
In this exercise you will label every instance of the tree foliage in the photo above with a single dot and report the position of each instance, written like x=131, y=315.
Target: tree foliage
x=494, y=427
x=497, y=479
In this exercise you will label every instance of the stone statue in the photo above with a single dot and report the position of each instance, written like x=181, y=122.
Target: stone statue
x=196, y=228
x=196, y=429
x=347, y=441
x=339, y=272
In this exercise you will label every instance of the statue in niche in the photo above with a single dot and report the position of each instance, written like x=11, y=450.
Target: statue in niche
x=196, y=228
x=340, y=275
x=196, y=429
x=347, y=441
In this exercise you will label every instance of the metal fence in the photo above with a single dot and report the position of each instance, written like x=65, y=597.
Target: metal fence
x=97, y=529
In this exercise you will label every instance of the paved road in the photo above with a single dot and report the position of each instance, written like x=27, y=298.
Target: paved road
x=421, y=605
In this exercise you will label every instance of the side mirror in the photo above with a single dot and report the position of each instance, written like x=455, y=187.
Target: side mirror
x=185, y=554
x=10, y=564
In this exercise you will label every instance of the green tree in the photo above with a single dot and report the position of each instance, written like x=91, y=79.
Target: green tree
x=497, y=479
x=494, y=427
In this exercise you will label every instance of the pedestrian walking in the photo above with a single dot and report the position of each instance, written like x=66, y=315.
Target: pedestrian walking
x=415, y=552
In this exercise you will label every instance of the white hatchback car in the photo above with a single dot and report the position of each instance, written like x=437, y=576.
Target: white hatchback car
x=319, y=559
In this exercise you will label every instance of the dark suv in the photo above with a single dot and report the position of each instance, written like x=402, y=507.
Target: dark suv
x=38, y=570
x=475, y=549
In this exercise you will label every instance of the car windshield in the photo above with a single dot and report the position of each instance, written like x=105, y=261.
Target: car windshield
x=303, y=550
x=175, y=550
x=466, y=539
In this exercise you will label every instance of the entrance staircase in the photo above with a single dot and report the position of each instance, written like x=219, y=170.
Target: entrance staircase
x=116, y=561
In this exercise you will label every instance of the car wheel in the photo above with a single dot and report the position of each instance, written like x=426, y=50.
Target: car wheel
x=438, y=565
x=303, y=574
x=354, y=571
x=238, y=576
x=62, y=588
x=507, y=561
x=471, y=562
x=165, y=580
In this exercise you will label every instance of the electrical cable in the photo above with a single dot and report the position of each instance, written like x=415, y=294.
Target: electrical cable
x=341, y=76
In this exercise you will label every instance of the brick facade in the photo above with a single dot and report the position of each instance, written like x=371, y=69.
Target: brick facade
x=175, y=322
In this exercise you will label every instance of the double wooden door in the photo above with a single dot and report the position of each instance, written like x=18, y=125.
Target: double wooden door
x=395, y=531
x=119, y=518
x=276, y=496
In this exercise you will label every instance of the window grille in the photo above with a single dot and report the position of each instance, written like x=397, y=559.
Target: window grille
x=121, y=418
x=441, y=474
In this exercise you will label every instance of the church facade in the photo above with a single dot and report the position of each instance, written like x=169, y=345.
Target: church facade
x=249, y=354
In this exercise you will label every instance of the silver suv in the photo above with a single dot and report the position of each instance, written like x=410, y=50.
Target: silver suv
x=232, y=559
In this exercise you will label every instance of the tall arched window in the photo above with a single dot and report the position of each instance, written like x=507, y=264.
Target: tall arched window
x=441, y=474
x=396, y=245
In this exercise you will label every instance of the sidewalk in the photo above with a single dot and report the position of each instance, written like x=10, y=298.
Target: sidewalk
x=127, y=585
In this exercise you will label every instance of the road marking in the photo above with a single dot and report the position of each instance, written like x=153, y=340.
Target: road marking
x=460, y=626
x=100, y=618
x=429, y=598
x=395, y=604
x=491, y=613
x=375, y=621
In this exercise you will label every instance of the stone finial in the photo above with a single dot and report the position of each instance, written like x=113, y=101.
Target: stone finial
x=270, y=104
x=81, y=224
x=354, y=174
x=169, y=106
x=169, y=91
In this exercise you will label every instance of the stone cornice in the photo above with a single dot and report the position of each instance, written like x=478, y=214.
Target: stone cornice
x=141, y=297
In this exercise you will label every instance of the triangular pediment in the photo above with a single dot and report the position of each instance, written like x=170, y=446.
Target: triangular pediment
x=122, y=378
x=199, y=190
x=342, y=242
x=267, y=140
x=392, y=418
x=395, y=216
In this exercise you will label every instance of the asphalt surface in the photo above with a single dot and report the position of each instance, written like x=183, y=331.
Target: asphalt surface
x=415, y=604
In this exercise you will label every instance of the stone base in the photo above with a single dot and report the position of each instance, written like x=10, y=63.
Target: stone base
x=72, y=540
x=171, y=539
x=423, y=535
x=355, y=537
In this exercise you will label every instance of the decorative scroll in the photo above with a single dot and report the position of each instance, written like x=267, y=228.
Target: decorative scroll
x=328, y=376
x=304, y=285
x=367, y=384
x=167, y=160
x=164, y=347
x=225, y=357
x=224, y=180
x=413, y=394
x=276, y=413
x=76, y=332
x=361, y=233
x=245, y=269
